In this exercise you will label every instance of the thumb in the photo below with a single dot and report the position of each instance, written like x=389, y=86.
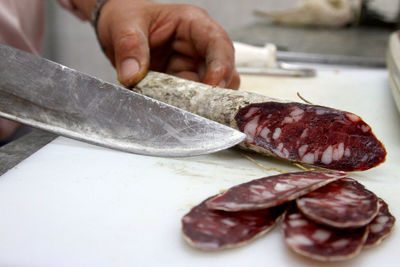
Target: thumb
x=132, y=56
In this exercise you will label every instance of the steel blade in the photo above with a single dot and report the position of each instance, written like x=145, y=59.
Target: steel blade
x=49, y=96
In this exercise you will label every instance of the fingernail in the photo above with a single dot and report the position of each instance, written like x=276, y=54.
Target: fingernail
x=129, y=67
x=222, y=84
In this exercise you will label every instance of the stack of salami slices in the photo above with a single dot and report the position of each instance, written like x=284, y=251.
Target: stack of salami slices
x=326, y=215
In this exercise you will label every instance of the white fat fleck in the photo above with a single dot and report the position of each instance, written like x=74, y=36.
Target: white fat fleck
x=228, y=222
x=287, y=120
x=260, y=192
x=294, y=216
x=376, y=227
x=302, y=201
x=251, y=127
x=280, y=146
x=285, y=153
x=304, y=134
x=277, y=133
x=320, y=111
x=382, y=219
x=264, y=133
x=365, y=128
x=298, y=223
x=321, y=235
x=340, y=243
x=347, y=152
x=364, y=158
x=283, y=187
x=257, y=186
x=338, y=151
x=302, y=150
x=308, y=158
x=207, y=232
x=327, y=155
x=316, y=155
x=297, y=114
x=245, y=232
x=344, y=199
x=267, y=194
x=351, y=194
x=251, y=112
x=303, y=182
x=187, y=219
x=299, y=240
x=352, y=117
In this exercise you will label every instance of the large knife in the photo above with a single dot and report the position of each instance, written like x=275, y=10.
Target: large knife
x=55, y=98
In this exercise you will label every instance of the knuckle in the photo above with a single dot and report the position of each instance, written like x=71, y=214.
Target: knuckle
x=128, y=40
x=193, y=12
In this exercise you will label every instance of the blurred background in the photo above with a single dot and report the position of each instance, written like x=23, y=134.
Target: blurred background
x=335, y=27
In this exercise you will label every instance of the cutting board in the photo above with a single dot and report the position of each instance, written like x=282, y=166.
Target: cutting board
x=74, y=204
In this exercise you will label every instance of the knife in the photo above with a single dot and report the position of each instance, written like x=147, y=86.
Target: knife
x=55, y=98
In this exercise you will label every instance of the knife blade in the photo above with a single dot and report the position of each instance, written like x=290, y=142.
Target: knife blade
x=58, y=99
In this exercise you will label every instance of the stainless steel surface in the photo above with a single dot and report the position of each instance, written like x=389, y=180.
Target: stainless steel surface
x=331, y=59
x=282, y=69
x=356, y=46
x=49, y=96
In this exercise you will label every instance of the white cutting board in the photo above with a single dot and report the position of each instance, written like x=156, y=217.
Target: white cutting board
x=73, y=204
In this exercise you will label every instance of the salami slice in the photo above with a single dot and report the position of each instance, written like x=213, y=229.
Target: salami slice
x=271, y=191
x=342, y=204
x=381, y=226
x=310, y=134
x=208, y=229
x=318, y=242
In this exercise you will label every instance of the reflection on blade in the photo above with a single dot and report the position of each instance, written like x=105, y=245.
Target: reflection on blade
x=55, y=98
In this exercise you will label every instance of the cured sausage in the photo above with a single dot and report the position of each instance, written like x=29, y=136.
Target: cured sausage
x=272, y=191
x=381, y=226
x=208, y=229
x=344, y=203
x=318, y=242
x=309, y=134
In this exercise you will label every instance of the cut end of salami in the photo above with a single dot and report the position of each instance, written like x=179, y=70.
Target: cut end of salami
x=381, y=226
x=311, y=134
x=208, y=229
x=344, y=203
x=319, y=242
x=271, y=191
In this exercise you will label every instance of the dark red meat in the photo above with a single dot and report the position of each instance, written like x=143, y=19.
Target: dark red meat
x=381, y=226
x=342, y=204
x=272, y=191
x=208, y=229
x=311, y=134
x=319, y=242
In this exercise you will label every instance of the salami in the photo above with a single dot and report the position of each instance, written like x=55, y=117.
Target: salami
x=208, y=229
x=318, y=242
x=344, y=203
x=271, y=191
x=381, y=226
x=310, y=134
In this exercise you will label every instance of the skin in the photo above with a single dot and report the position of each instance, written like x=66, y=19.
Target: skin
x=141, y=35
x=182, y=40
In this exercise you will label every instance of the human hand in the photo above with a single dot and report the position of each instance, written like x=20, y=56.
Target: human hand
x=182, y=40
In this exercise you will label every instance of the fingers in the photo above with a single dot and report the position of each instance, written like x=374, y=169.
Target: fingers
x=131, y=56
x=124, y=38
x=214, y=44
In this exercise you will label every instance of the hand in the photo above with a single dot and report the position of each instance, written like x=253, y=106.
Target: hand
x=182, y=40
